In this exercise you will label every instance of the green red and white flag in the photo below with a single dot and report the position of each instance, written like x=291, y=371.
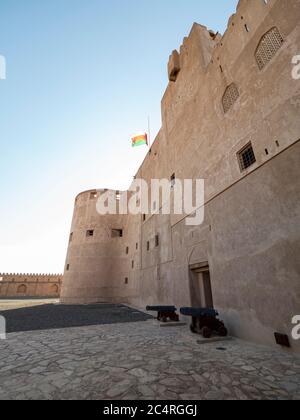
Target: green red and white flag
x=139, y=140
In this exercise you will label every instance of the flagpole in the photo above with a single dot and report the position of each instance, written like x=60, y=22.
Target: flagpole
x=149, y=132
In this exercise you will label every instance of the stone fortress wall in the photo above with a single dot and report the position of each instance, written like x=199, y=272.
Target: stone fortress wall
x=231, y=101
x=30, y=285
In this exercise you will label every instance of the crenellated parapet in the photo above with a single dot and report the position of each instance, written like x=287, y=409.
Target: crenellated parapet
x=207, y=63
x=29, y=275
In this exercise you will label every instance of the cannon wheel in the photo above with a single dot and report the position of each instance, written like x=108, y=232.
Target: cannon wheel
x=222, y=331
x=206, y=332
x=193, y=329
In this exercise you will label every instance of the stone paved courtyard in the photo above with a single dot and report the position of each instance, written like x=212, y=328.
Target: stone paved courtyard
x=139, y=361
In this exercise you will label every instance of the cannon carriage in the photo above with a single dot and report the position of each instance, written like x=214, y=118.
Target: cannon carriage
x=165, y=313
x=205, y=322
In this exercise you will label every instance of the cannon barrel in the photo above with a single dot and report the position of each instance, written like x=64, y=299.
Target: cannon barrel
x=161, y=309
x=198, y=312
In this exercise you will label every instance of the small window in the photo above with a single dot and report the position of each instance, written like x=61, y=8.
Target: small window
x=173, y=180
x=157, y=240
x=148, y=246
x=268, y=46
x=132, y=264
x=68, y=267
x=136, y=246
x=144, y=217
x=89, y=233
x=230, y=97
x=117, y=233
x=127, y=250
x=71, y=237
x=126, y=280
x=246, y=157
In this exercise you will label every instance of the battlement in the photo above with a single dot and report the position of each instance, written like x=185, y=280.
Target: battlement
x=208, y=48
x=30, y=275
x=211, y=71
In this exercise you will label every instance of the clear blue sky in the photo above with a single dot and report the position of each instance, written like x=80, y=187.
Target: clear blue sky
x=82, y=76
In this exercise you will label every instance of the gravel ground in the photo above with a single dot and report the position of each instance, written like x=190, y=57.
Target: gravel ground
x=56, y=316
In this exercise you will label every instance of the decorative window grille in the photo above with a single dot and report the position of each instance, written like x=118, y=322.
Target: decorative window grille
x=230, y=97
x=246, y=157
x=270, y=43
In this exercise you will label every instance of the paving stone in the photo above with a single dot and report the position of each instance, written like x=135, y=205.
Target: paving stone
x=248, y=368
x=130, y=361
x=290, y=386
x=118, y=389
x=145, y=391
x=225, y=379
x=214, y=395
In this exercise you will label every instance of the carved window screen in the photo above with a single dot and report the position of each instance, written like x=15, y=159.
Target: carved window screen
x=270, y=43
x=230, y=97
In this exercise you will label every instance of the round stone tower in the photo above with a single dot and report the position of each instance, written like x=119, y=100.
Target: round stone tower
x=97, y=264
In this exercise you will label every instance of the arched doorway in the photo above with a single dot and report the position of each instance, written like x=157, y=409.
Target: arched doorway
x=54, y=289
x=22, y=289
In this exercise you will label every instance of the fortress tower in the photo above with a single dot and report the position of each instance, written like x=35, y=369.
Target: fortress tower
x=230, y=116
x=98, y=266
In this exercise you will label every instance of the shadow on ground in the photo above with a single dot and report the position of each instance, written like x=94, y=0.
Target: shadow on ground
x=56, y=316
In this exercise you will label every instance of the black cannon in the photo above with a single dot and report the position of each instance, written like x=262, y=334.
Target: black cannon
x=164, y=313
x=205, y=321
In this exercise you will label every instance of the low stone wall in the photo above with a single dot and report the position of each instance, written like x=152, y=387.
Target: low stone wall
x=30, y=285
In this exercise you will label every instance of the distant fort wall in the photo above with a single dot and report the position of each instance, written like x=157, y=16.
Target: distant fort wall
x=30, y=285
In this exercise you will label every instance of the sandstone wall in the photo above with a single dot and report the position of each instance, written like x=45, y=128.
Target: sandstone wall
x=30, y=285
